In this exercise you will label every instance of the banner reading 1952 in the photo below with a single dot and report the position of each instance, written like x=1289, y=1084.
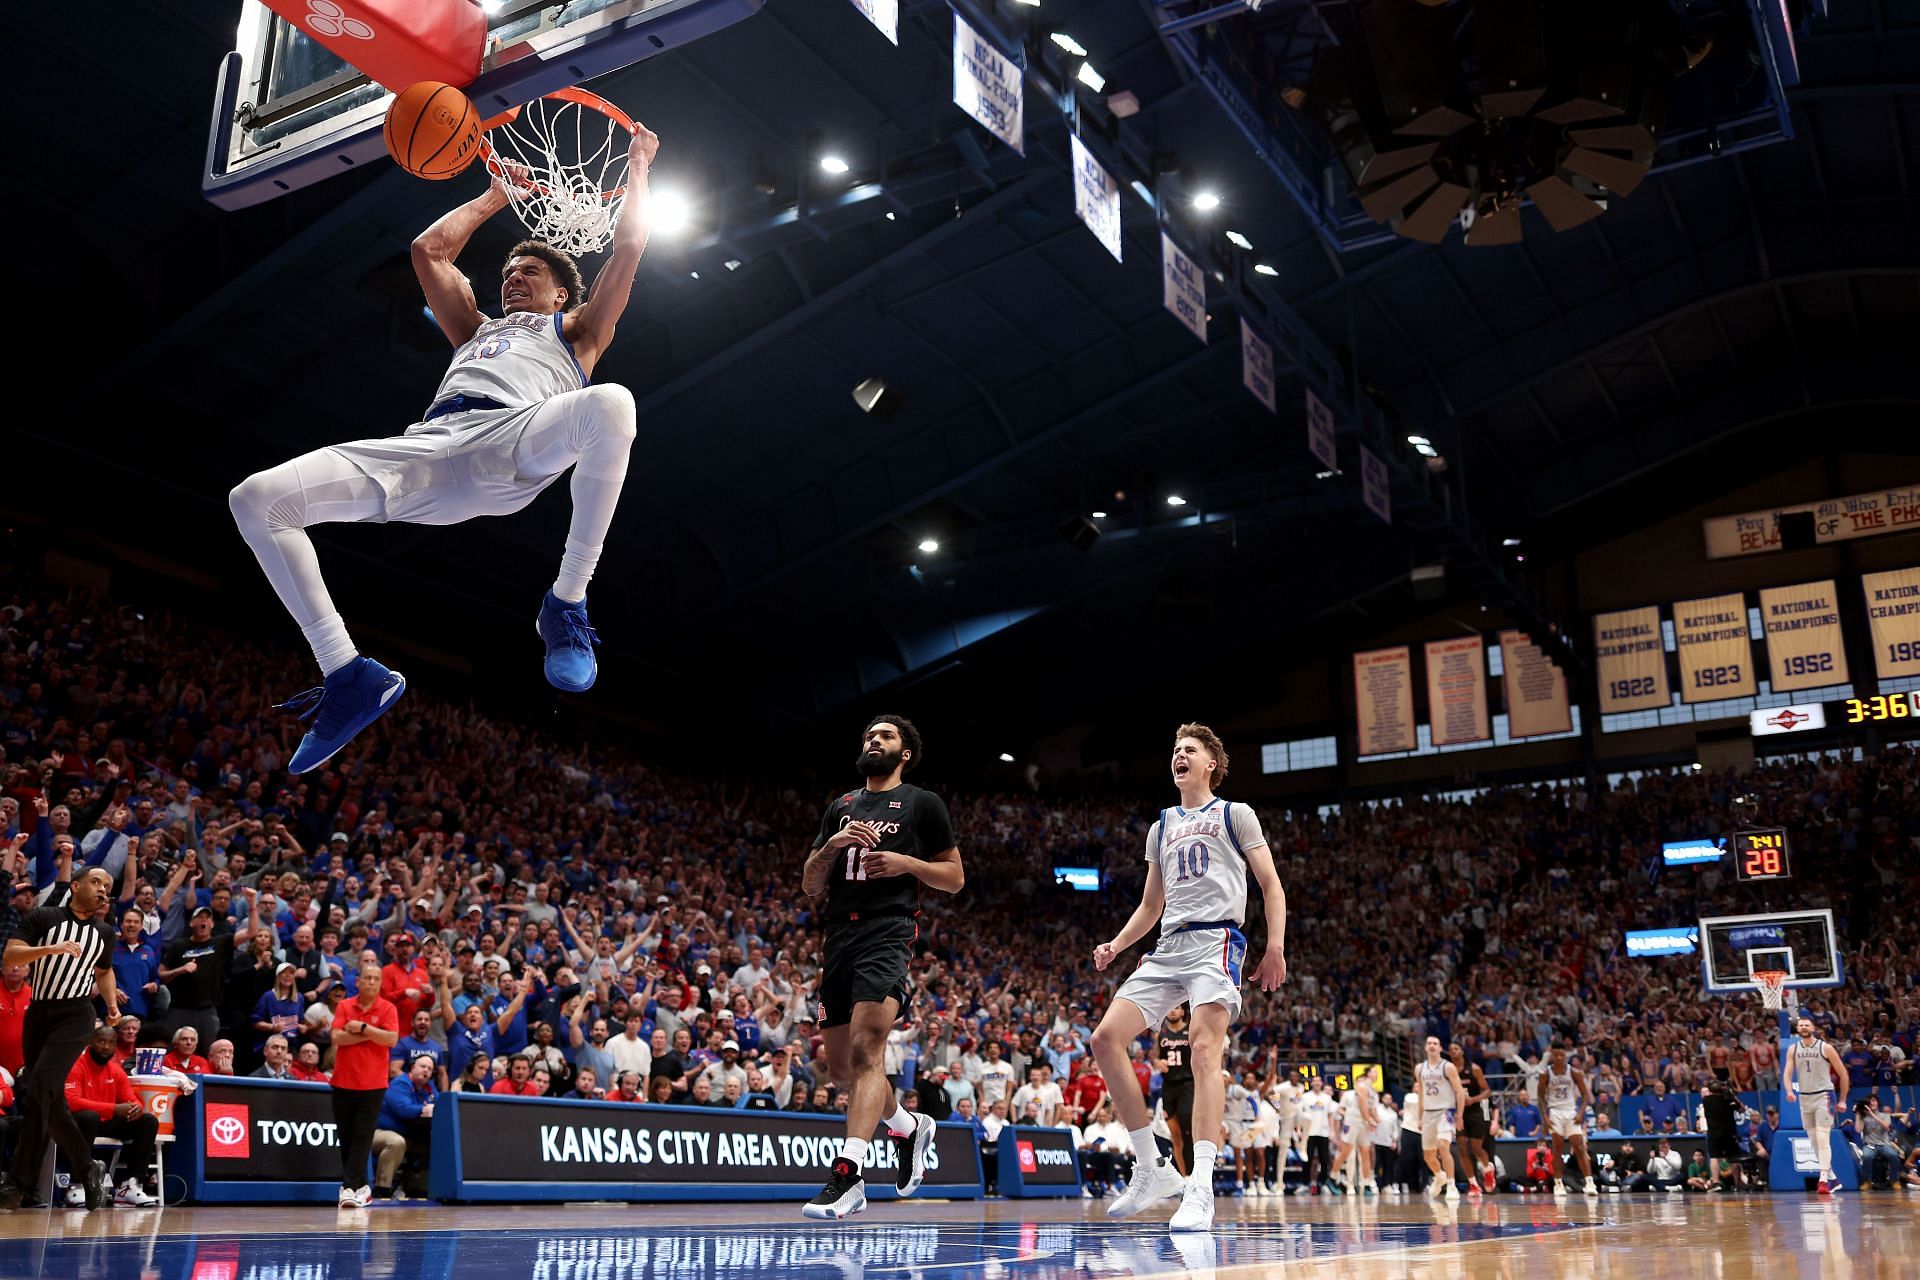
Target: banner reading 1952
x=1803, y=636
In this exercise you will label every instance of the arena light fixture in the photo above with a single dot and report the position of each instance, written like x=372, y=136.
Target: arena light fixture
x=1238, y=240
x=1005, y=758
x=1265, y=269
x=669, y=213
x=733, y=264
x=1417, y=441
x=1206, y=202
x=1071, y=45
x=834, y=164
x=1175, y=500
x=1099, y=515
x=929, y=545
x=1087, y=76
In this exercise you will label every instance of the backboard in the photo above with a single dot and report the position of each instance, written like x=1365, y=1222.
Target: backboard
x=1800, y=943
x=287, y=112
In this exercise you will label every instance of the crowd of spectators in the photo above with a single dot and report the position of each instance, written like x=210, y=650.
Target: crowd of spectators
x=560, y=918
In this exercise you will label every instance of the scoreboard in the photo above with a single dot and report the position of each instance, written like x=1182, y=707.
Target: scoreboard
x=1896, y=711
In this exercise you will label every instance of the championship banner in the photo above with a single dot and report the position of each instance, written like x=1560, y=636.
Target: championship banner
x=1256, y=365
x=1383, y=700
x=1803, y=636
x=1374, y=489
x=1457, y=690
x=498, y=1148
x=884, y=15
x=1715, y=648
x=1630, y=660
x=987, y=85
x=1536, y=689
x=1096, y=197
x=1320, y=433
x=1893, y=615
x=1183, y=289
x=1864, y=515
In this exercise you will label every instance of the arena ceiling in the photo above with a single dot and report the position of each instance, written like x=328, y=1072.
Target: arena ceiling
x=764, y=557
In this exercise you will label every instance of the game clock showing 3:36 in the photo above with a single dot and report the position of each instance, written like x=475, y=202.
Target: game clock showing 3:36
x=1882, y=706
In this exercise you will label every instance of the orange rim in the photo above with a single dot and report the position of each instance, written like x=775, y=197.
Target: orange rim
x=578, y=97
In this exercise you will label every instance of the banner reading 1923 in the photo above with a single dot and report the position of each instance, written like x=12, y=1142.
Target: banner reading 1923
x=1715, y=648
x=1630, y=658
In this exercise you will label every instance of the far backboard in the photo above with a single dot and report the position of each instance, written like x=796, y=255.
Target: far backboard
x=1800, y=943
x=287, y=112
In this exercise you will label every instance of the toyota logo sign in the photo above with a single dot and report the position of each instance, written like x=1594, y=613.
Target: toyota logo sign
x=227, y=1136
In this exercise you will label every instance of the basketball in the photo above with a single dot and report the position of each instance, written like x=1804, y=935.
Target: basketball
x=432, y=130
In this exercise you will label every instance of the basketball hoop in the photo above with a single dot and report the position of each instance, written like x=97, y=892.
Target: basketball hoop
x=1773, y=987
x=573, y=145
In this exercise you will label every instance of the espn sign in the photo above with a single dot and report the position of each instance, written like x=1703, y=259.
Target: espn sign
x=1794, y=719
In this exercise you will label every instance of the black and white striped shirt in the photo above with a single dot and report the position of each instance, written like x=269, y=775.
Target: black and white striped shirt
x=64, y=977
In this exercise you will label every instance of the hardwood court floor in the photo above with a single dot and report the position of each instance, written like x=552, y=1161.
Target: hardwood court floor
x=1851, y=1237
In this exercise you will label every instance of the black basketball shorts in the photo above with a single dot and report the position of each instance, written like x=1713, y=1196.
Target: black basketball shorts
x=866, y=962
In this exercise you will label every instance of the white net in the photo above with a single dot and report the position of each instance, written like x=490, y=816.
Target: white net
x=1773, y=988
x=575, y=159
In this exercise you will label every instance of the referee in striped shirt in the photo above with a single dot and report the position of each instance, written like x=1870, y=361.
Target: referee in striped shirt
x=71, y=951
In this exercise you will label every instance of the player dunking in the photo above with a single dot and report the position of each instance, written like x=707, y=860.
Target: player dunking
x=1812, y=1067
x=513, y=412
x=1198, y=855
x=1566, y=1094
x=878, y=845
x=1438, y=1092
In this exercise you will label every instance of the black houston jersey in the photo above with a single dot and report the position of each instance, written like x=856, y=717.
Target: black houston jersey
x=910, y=821
x=1176, y=1051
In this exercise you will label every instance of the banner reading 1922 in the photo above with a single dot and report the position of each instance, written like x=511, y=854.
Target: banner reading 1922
x=1630, y=658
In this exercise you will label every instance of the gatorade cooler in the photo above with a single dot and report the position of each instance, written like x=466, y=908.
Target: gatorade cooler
x=157, y=1094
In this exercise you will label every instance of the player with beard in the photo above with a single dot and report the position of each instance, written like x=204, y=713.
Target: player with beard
x=878, y=845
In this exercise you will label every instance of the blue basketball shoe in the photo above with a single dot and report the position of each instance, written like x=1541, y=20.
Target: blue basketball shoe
x=570, y=639
x=351, y=699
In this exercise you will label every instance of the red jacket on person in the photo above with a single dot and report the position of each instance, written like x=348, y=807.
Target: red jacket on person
x=98, y=1087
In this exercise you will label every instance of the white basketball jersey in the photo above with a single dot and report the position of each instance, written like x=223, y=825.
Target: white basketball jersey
x=1285, y=1097
x=1561, y=1093
x=1435, y=1093
x=1202, y=866
x=518, y=360
x=1810, y=1061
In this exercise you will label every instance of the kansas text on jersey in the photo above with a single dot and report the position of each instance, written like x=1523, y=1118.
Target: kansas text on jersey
x=516, y=360
x=1202, y=858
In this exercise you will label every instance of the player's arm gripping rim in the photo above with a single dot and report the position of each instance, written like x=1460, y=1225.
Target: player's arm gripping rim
x=449, y=295
x=591, y=325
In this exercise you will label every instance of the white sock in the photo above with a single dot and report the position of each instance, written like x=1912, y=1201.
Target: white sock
x=577, y=563
x=855, y=1149
x=900, y=1123
x=1203, y=1157
x=332, y=648
x=1145, y=1149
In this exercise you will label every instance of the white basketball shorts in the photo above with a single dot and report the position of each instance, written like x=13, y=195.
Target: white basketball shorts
x=1436, y=1130
x=1200, y=966
x=1565, y=1124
